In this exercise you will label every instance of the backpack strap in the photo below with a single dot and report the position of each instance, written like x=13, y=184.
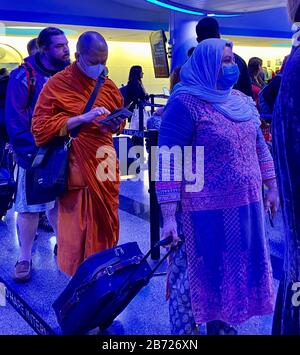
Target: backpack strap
x=31, y=79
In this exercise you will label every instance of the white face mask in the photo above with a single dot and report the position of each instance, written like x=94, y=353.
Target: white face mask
x=92, y=71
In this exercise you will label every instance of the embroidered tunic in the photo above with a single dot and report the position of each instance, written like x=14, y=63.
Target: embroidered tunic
x=229, y=266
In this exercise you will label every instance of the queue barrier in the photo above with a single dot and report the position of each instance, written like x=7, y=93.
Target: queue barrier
x=152, y=138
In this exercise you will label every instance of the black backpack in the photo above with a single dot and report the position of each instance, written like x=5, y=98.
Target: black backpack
x=31, y=81
x=3, y=89
x=7, y=181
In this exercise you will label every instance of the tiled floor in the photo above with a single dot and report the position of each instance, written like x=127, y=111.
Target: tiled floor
x=146, y=314
x=12, y=323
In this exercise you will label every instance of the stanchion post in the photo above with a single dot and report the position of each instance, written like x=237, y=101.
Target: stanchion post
x=141, y=116
x=138, y=139
x=152, y=97
x=154, y=207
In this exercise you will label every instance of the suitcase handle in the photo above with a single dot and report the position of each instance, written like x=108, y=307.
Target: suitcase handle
x=162, y=243
x=110, y=270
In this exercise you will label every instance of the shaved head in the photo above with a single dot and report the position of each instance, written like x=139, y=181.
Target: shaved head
x=92, y=49
x=91, y=41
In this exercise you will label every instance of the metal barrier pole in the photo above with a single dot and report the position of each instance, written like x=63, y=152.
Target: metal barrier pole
x=138, y=139
x=152, y=97
x=152, y=136
x=154, y=206
x=141, y=116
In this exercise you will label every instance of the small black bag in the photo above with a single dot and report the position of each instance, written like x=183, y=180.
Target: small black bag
x=47, y=179
x=102, y=287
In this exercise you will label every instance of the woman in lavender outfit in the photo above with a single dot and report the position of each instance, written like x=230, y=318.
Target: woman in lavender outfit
x=221, y=274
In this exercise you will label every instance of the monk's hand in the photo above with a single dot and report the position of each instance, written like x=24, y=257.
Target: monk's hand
x=112, y=126
x=93, y=114
x=115, y=124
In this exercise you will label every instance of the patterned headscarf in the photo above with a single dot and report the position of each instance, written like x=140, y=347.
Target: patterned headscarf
x=199, y=77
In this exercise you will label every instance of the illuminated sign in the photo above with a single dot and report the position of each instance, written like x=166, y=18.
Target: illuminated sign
x=159, y=54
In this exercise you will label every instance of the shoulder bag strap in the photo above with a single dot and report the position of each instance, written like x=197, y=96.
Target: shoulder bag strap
x=74, y=132
x=40, y=156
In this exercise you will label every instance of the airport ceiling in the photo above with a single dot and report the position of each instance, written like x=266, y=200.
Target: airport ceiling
x=132, y=35
x=224, y=6
x=143, y=15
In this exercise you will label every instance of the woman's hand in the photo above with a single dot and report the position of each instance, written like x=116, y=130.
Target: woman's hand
x=170, y=229
x=168, y=211
x=271, y=201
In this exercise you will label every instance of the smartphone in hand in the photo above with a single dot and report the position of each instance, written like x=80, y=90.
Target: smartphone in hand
x=122, y=113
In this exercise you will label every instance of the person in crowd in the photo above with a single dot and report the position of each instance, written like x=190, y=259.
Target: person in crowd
x=32, y=49
x=221, y=272
x=286, y=149
x=6, y=194
x=22, y=95
x=32, y=46
x=3, y=73
x=208, y=27
x=175, y=75
x=4, y=76
x=257, y=83
x=88, y=219
x=154, y=122
x=268, y=95
x=267, y=74
x=134, y=91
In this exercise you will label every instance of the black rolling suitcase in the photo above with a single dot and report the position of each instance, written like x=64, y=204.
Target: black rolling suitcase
x=102, y=287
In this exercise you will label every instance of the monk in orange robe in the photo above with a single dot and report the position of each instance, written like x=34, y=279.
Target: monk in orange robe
x=88, y=219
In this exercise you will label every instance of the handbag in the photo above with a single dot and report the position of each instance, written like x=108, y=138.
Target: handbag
x=47, y=178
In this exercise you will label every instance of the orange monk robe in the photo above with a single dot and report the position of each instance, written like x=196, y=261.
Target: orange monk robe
x=88, y=219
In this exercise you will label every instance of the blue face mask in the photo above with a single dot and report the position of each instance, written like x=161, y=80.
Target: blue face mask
x=229, y=77
x=92, y=71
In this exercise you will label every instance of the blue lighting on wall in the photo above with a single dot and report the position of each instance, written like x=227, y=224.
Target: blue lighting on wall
x=30, y=31
x=176, y=8
x=223, y=15
x=187, y=11
x=289, y=45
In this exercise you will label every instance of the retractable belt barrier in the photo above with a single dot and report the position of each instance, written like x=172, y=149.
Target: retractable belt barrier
x=152, y=136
